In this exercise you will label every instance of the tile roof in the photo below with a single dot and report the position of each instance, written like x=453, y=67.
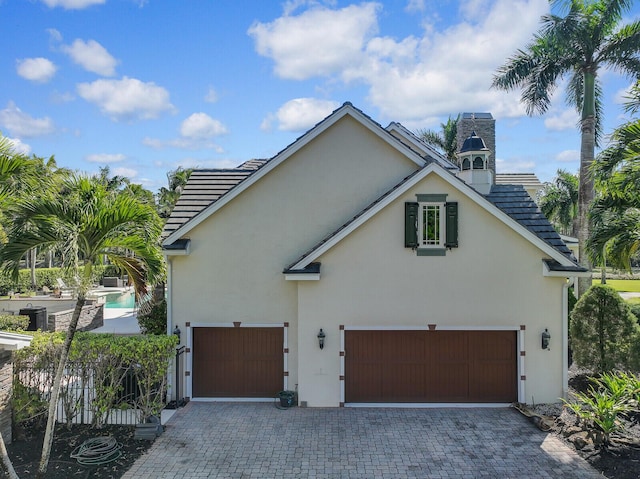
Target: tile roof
x=516, y=202
x=205, y=187
x=528, y=180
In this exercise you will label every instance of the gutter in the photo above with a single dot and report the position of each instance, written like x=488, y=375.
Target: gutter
x=565, y=336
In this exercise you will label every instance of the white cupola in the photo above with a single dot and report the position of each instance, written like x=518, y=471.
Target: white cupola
x=473, y=159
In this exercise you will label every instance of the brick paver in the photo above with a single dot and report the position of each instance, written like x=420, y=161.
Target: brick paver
x=256, y=440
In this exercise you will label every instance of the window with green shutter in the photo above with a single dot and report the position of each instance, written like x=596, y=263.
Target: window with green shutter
x=431, y=225
x=411, y=225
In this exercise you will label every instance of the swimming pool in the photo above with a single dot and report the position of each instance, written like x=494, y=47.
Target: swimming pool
x=120, y=300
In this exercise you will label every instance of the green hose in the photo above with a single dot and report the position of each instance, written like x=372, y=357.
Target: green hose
x=97, y=451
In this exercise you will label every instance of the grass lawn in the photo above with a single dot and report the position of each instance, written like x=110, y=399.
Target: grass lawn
x=627, y=285
x=633, y=300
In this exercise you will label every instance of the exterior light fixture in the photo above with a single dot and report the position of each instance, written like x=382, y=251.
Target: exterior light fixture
x=177, y=332
x=321, y=337
x=546, y=338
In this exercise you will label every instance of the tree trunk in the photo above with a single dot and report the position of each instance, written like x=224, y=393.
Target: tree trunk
x=55, y=390
x=603, y=272
x=6, y=460
x=33, y=254
x=586, y=188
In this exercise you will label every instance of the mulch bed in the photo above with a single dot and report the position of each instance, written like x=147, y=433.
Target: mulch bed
x=25, y=452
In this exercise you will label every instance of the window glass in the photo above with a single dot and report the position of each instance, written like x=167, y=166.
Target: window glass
x=478, y=163
x=430, y=225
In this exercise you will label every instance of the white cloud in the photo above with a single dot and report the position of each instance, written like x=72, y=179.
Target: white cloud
x=39, y=70
x=565, y=120
x=126, y=172
x=412, y=78
x=414, y=6
x=568, y=156
x=300, y=114
x=92, y=57
x=105, y=158
x=127, y=99
x=22, y=125
x=211, y=96
x=514, y=165
x=196, y=132
x=201, y=126
x=318, y=42
x=19, y=146
x=72, y=4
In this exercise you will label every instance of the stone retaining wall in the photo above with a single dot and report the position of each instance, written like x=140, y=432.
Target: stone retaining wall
x=92, y=317
x=6, y=378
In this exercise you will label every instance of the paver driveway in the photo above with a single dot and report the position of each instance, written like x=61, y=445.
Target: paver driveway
x=254, y=440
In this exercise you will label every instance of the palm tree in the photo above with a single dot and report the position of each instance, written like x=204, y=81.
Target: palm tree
x=90, y=222
x=167, y=197
x=559, y=201
x=615, y=214
x=446, y=140
x=577, y=45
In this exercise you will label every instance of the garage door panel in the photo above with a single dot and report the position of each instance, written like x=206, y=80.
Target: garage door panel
x=405, y=382
x=430, y=366
x=237, y=362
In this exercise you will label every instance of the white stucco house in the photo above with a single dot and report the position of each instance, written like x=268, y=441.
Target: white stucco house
x=426, y=283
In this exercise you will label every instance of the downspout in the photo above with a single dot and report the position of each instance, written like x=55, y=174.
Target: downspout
x=170, y=384
x=565, y=336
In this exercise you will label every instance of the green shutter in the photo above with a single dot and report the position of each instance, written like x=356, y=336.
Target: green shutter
x=411, y=225
x=451, y=241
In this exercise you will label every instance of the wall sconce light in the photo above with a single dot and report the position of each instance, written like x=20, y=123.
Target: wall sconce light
x=321, y=337
x=177, y=332
x=546, y=338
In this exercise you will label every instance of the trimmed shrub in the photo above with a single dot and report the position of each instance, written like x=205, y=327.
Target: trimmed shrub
x=155, y=321
x=603, y=330
x=13, y=323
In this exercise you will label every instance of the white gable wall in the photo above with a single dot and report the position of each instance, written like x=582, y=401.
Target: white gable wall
x=494, y=279
x=234, y=270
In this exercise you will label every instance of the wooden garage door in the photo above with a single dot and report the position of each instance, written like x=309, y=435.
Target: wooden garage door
x=237, y=362
x=430, y=366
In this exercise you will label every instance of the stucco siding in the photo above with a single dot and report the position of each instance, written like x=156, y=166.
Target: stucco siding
x=493, y=279
x=234, y=270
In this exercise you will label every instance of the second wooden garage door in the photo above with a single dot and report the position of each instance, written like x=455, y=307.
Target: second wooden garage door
x=237, y=362
x=430, y=366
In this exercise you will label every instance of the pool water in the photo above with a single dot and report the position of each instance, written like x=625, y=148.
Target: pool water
x=120, y=300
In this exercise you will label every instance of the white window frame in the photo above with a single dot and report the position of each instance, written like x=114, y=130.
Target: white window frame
x=422, y=241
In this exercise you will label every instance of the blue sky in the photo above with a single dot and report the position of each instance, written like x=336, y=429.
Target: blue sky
x=145, y=86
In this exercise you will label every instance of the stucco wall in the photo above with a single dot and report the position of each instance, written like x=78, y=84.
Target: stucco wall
x=234, y=270
x=494, y=279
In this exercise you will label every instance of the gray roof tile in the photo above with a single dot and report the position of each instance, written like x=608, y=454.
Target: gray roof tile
x=516, y=202
x=204, y=188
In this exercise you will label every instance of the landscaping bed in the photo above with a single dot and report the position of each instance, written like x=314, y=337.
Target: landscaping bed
x=621, y=460
x=25, y=452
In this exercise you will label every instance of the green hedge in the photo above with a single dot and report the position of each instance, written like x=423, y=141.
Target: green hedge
x=48, y=277
x=10, y=322
x=100, y=360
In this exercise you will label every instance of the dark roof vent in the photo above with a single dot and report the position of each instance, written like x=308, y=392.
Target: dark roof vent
x=473, y=143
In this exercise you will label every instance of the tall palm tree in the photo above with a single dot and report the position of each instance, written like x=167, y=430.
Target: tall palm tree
x=167, y=197
x=559, y=201
x=588, y=38
x=615, y=214
x=446, y=140
x=90, y=222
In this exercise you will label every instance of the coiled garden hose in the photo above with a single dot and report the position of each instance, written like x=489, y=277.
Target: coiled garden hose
x=97, y=451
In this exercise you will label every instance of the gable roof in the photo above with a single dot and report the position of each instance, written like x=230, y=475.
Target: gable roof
x=203, y=204
x=205, y=187
x=510, y=204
